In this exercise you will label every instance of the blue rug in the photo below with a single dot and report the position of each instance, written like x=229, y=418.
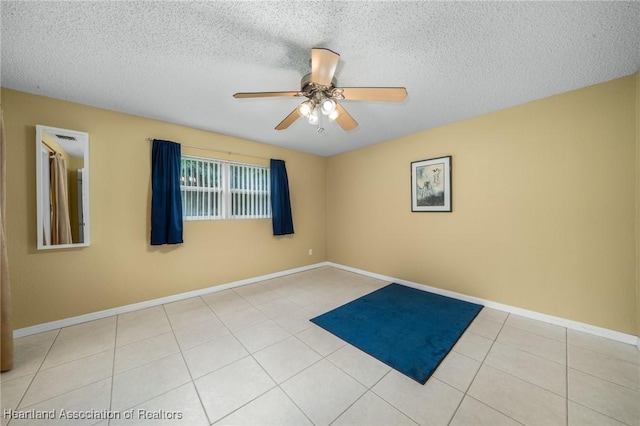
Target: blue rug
x=410, y=330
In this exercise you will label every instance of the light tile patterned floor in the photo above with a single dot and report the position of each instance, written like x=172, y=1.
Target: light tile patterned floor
x=251, y=356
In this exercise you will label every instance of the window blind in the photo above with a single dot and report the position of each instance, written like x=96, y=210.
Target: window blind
x=213, y=189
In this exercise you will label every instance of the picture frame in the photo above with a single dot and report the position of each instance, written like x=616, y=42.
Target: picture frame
x=431, y=185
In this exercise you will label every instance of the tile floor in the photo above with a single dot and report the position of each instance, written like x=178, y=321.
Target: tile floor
x=250, y=356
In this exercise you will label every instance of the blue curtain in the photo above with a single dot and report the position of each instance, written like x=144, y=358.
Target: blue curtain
x=280, y=202
x=166, y=201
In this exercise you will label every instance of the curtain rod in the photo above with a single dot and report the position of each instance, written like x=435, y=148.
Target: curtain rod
x=51, y=150
x=219, y=150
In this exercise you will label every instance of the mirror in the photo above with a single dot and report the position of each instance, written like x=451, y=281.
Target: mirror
x=62, y=188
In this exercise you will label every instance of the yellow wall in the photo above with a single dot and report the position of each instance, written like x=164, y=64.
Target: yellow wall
x=543, y=207
x=546, y=207
x=120, y=267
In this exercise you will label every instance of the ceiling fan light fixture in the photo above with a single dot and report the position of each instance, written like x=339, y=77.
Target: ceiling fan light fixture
x=333, y=115
x=306, y=108
x=328, y=106
x=313, y=117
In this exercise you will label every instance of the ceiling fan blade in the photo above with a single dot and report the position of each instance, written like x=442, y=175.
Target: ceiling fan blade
x=323, y=66
x=288, y=120
x=265, y=94
x=386, y=94
x=344, y=119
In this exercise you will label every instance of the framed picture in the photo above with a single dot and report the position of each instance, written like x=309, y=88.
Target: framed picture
x=431, y=185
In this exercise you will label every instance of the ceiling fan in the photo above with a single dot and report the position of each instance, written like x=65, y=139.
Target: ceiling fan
x=319, y=87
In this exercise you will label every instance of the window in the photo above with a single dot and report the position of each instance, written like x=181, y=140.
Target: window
x=214, y=189
x=250, y=191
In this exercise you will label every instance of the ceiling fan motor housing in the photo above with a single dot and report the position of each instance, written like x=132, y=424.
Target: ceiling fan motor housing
x=311, y=88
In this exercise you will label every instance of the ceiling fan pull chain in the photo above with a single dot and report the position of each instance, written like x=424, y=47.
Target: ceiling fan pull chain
x=320, y=128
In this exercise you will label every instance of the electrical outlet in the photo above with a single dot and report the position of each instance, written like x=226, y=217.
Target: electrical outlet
x=310, y=252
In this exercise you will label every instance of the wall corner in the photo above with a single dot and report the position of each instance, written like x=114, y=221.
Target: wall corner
x=637, y=221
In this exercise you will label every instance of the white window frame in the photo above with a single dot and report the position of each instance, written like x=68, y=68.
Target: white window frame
x=252, y=204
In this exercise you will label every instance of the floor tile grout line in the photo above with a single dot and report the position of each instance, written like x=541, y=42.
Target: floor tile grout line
x=39, y=370
x=276, y=384
x=113, y=367
x=466, y=392
x=533, y=332
x=206, y=342
x=532, y=354
x=154, y=397
x=529, y=352
x=244, y=405
x=48, y=351
x=350, y=405
x=389, y=402
x=249, y=352
x=461, y=354
x=350, y=375
x=378, y=381
x=163, y=393
x=192, y=382
x=606, y=355
x=234, y=335
x=586, y=373
x=326, y=358
x=601, y=413
x=602, y=340
x=63, y=393
x=212, y=340
x=143, y=339
x=243, y=357
x=35, y=374
x=279, y=385
x=146, y=364
x=85, y=356
x=289, y=378
x=490, y=407
x=270, y=344
x=525, y=380
x=246, y=326
x=455, y=389
x=595, y=376
x=294, y=403
x=215, y=314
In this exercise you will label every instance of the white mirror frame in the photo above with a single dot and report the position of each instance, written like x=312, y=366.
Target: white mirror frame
x=83, y=138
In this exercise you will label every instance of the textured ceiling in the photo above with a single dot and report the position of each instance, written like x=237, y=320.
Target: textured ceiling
x=182, y=61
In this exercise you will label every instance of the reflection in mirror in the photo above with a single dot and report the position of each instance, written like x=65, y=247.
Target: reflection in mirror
x=62, y=188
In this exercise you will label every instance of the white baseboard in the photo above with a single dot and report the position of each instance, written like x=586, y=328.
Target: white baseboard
x=570, y=324
x=66, y=322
